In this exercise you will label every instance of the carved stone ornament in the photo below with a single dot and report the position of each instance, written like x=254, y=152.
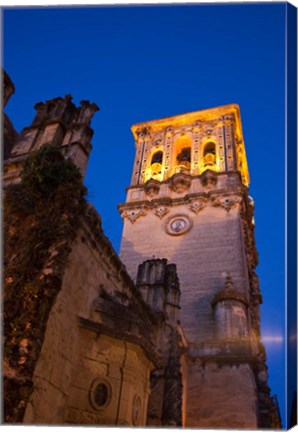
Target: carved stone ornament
x=161, y=211
x=208, y=178
x=209, y=128
x=152, y=188
x=133, y=215
x=229, y=118
x=178, y=224
x=198, y=205
x=226, y=202
x=180, y=182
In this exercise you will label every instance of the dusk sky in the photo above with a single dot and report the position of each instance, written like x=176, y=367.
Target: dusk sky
x=143, y=63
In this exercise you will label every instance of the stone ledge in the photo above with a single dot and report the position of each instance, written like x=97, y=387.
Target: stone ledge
x=120, y=334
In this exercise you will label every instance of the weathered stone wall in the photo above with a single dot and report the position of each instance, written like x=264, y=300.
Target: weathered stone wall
x=203, y=255
x=123, y=367
x=221, y=396
x=159, y=285
x=73, y=356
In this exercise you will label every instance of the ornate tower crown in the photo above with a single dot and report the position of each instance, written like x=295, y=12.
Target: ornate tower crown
x=191, y=144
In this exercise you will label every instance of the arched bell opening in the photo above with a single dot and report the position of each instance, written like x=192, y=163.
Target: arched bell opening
x=209, y=154
x=182, y=155
x=209, y=157
x=157, y=157
x=155, y=170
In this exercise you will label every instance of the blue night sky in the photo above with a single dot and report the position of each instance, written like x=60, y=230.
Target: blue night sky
x=142, y=63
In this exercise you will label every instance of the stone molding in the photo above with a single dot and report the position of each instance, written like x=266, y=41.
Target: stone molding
x=225, y=202
x=161, y=211
x=197, y=205
x=133, y=215
x=134, y=339
x=195, y=202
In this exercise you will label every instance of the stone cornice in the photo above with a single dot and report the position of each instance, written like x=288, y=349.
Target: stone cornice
x=196, y=201
x=170, y=180
x=228, y=351
x=119, y=334
x=186, y=119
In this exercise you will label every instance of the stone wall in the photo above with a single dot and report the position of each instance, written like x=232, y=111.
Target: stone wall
x=221, y=396
x=203, y=255
x=208, y=248
x=73, y=355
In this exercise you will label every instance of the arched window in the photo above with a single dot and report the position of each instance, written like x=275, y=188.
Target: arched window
x=209, y=154
x=157, y=157
x=155, y=171
x=184, y=157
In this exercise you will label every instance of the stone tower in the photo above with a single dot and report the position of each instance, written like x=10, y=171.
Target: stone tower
x=188, y=202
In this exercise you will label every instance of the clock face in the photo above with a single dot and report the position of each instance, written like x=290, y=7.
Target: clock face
x=178, y=225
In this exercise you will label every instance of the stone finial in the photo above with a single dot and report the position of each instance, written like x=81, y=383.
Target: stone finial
x=54, y=110
x=64, y=111
x=229, y=293
x=86, y=112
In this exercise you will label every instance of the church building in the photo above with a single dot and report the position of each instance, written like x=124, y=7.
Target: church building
x=168, y=332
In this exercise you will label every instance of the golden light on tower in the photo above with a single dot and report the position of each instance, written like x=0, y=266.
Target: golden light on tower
x=180, y=153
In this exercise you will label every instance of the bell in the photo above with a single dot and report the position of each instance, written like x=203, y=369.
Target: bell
x=156, y=168
x=209, y=159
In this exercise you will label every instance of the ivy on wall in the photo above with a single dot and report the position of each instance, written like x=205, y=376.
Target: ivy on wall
x=41, y=217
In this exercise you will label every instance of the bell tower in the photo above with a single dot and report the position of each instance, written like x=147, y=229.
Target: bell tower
x=188, y=202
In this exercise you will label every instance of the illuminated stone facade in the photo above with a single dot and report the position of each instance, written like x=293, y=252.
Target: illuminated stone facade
x=173, y=339
x=189, y=191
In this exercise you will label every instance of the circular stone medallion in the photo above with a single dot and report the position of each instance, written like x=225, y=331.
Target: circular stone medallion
x=177, y=225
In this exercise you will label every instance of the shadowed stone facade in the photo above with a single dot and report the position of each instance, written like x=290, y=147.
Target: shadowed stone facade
x=166, y=335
